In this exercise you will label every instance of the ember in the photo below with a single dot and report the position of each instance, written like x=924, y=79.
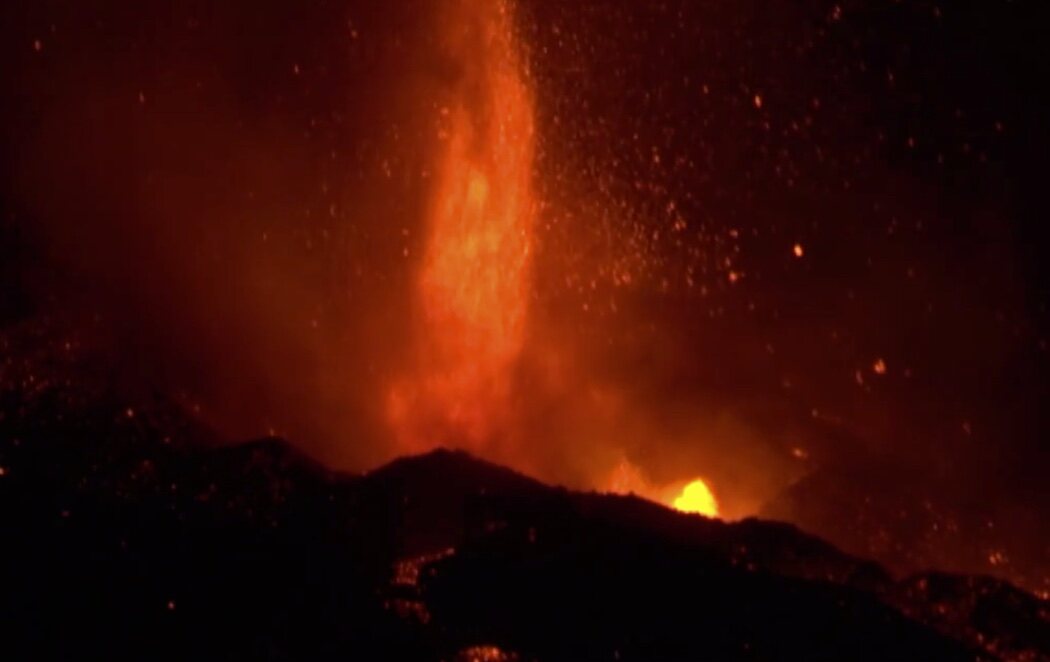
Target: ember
x=485, y=654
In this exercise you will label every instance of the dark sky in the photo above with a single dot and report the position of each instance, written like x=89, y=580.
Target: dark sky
x=224, y=193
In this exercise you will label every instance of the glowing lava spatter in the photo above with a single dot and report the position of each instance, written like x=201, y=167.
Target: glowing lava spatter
x=696, y=497
x=473, y=283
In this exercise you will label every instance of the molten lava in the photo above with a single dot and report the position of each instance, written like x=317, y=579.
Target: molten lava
x=473, y=282
x=696, y=497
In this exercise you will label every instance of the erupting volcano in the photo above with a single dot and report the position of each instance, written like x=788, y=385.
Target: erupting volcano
x=503, y=329
x=473, y=286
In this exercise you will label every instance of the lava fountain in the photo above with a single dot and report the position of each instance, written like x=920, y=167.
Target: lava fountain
x=473, y=283
x=472, y=287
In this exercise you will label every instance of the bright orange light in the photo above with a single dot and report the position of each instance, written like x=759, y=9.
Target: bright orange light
x=473, y=283
x=697, y=497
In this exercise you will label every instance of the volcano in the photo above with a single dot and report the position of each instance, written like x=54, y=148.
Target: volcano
x=130, y=535
x=524, y=330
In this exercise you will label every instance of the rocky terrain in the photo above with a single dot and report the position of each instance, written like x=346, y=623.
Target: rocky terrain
x=129, y=533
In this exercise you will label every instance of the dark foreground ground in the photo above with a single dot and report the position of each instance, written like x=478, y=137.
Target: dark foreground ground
x=126, y=534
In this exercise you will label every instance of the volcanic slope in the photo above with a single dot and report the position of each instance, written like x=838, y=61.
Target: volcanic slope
x=129, y=534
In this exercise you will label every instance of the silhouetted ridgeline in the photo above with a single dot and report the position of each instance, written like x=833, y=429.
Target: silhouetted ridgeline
x=128, y=534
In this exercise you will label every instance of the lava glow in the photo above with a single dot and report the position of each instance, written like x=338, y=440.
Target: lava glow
x=473, y=282
x=697, y=497
x=694, y=497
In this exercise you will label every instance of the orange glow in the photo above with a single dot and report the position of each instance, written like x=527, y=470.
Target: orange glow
x=697, y=497
x=692, y=497
x=474, y=277
x=485, y=654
